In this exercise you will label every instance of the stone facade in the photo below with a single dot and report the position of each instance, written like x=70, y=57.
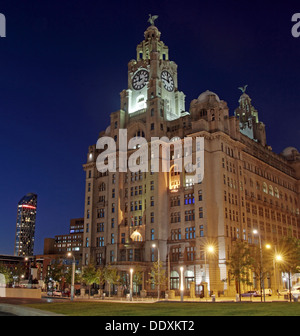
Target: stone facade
x=245, y=184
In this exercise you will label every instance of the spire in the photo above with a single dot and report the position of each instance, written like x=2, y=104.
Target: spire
x=248, y=117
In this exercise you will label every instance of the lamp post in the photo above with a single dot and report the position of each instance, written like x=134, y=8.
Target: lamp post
x=73, y=275
x=158, y=271
x=130, y=295
x=181, y=284
x=210, y=249
x=262, y=285
x=277, y=258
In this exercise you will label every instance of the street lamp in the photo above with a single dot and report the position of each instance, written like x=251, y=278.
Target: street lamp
x=210, y=249
x=158, y=270
x=130, y=297
x=73, y=275
x=262, y=285
x=277, y=259
x=181, y=283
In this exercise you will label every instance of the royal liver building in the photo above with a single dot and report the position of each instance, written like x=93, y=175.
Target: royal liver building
x=133, y=218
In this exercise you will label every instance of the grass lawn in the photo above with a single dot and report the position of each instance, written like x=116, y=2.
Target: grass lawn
x=171, y=309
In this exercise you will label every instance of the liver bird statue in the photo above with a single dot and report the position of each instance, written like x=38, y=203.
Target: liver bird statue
x=152, y=18
x=243, y=88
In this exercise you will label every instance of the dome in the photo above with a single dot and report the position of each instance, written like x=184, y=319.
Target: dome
x=204, y=96
x=289, y=151
x=152, y=31
x=107, y=131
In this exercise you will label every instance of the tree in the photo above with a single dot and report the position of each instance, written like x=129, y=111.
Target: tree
x=137, y=278
x=262, y=264
x=5, y=270
x=111, y=276
x=68, y=276
x=239, y=264
x=18, y=272
x=55, y=272
x=289, y=249
x=90, y=275
x=157, y=276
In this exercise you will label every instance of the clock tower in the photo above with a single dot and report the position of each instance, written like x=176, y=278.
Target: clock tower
x=152, y=82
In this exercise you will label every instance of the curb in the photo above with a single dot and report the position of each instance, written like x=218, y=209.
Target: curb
x=24, y=311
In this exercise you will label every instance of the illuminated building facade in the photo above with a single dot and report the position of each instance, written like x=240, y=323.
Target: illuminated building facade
x=25, y=228
x=246, y=185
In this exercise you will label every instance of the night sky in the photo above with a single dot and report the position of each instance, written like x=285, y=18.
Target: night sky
x=64, y=63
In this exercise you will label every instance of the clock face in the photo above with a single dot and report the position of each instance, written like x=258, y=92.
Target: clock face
x=140, y=79
x=167, y=80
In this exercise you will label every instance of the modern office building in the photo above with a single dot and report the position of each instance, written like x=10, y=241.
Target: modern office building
x=64, y=243
x=25, y=228
x=133, y=218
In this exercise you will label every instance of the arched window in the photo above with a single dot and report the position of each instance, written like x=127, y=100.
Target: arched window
x=276, y=192
x=265, y=188
x=136, y=236
x=175, y=171
x=271, y=190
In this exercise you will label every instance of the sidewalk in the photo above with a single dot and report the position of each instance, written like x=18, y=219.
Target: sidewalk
x=15, y=307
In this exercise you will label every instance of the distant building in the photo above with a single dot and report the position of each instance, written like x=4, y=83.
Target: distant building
x=57, y=248
x=71, y=242
x=25, y=228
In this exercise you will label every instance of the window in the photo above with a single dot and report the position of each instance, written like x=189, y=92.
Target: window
x=200, y=198
x=101, y=213
x=99, y=258
x=100, y=241
x=201, y=231
x=152, y=234
x=191, y=252
x=189, y=215
x=189, y=199
x=152, y=127
x=111, y=256
x=176, y=234
x=265, y=190
x=201, y=212
x=175, y=217
x=100, y=227
x=112, y=238
x=190, y=233
x=271, y=190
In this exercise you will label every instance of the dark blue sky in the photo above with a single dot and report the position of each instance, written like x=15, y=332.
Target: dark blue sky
x=64, y=63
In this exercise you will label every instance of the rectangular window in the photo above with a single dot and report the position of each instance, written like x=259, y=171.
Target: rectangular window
x=152, y=234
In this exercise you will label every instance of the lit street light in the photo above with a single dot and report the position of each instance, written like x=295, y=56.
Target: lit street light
x=207, y=249
x=181, y=283
x=73, y=275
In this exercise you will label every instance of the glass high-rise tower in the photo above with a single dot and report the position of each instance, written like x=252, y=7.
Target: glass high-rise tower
x=25, y=227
